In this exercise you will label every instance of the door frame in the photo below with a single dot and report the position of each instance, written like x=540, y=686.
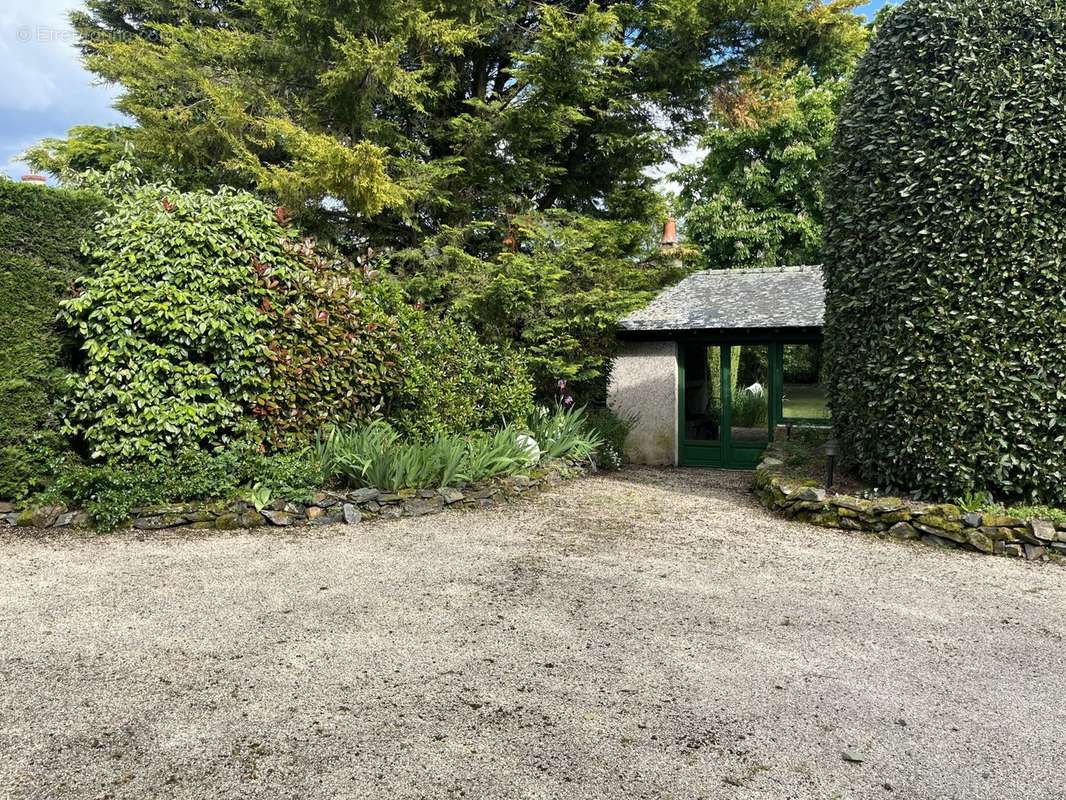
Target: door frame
x=725, y=454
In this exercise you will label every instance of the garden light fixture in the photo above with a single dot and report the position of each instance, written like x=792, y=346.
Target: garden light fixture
x=831, y=449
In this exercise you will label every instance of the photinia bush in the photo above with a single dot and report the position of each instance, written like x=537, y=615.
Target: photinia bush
x=332, y=347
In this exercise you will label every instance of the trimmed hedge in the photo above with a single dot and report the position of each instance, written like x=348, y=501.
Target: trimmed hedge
x=945, y=239
x=41, y=231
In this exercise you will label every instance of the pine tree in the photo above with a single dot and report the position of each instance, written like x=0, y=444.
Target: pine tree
x=390, y=119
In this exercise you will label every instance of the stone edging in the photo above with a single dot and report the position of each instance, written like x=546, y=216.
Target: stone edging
x=326, y=507
x=941, y=525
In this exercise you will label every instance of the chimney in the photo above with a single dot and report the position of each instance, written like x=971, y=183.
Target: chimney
x=38, y=180
x=669, y=235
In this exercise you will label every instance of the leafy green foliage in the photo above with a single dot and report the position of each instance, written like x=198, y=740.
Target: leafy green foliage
x=41, y=233
x=376, y=455
x=331, y=345
x=347, y=453
x=802, y=363
x=451, y=383
x=86, y=147
x=490, y=455
x=110, y=492
x=613, y=430
x=564, y=432
x=172, y=331
x=974, y=501
x=756, y=198
x=946, y=307
x=415, y=115
x=260, y=496
x=749, y=409
x=1028, y=512
x=556, y=295
x=407, y=124
x=206, y=319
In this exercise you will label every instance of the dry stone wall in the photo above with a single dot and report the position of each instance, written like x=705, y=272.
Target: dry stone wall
x=941, y=525
x=325, y=508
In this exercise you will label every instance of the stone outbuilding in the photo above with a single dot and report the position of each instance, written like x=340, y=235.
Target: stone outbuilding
x=714, y=365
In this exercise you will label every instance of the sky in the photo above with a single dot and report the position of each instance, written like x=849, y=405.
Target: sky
x=46, y=91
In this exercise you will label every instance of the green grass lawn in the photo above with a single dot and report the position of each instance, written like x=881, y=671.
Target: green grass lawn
x=804, y=401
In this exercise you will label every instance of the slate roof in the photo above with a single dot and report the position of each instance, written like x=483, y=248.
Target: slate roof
x=780, y=297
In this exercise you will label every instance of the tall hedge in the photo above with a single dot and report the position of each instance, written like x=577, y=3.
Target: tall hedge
x=168, y=322
x=41, y=231
x=945, y=241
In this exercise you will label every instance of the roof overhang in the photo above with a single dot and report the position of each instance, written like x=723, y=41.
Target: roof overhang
x=740, y=301
x=786, y=335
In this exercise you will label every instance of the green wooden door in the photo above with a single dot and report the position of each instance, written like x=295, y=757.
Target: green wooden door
x=725, y=403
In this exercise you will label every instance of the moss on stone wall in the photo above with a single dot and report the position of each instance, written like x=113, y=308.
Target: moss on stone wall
x=941, y=525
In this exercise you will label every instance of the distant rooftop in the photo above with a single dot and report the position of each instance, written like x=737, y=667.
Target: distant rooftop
x=728, y=299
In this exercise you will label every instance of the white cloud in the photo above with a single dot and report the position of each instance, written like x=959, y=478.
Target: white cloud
x=45, y=90
x=36, y=44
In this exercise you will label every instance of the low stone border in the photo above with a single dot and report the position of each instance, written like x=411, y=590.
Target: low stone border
x=940, y=525
x=326, y=508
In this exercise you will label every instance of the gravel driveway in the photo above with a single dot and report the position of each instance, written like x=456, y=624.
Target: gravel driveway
x=648, y=634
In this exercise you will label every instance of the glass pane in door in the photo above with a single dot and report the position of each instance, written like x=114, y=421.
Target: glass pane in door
x=804, y=391
x=749, y=379
x=703, y=394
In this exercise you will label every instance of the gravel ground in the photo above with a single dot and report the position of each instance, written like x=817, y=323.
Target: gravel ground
x=647, y=634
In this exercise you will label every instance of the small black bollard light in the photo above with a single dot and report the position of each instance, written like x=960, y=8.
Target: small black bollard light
x=831, y=449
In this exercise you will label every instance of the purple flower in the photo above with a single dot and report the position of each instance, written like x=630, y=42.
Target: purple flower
x=565, y=399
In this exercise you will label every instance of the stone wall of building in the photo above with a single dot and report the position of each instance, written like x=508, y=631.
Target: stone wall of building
x=643, y=387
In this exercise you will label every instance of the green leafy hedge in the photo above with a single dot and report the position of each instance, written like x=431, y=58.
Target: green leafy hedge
x=170, y=322
x=454, y=384
x=206, y=319
x=41, y=231
x=945, y=243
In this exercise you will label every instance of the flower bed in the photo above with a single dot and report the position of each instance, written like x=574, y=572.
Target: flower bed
x=326, y=507
x=941, y=525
